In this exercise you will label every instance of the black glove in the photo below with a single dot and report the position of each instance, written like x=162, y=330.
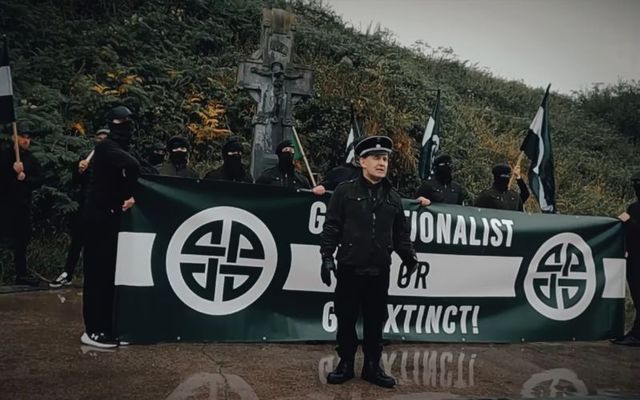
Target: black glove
x=328, y=265
x=411, y=265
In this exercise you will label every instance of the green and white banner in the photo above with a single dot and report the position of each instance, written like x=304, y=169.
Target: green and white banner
x=222, y=261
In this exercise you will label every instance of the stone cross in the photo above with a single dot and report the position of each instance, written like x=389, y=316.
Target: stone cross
x=275, y=84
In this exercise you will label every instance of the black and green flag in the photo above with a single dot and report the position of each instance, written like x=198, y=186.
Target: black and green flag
x=354, y=134
x=7, y=112
x=537, y=146
x=430, y=141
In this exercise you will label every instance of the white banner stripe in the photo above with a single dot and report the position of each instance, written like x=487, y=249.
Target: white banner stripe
x=133, y=260
x=449, y=275
x=615, y=270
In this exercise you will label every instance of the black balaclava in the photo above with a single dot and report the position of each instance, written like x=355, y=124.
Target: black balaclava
x=285, y=160
x=157, y=153
x=442, y=169
x=178, y=158
x=232, y=163
x=120, y=126
x=501, y=176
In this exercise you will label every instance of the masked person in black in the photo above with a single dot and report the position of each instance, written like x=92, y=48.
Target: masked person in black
x=284, y=174
x=498, y=196
x=232, y=168
x=109, y=194
x=366, y=222
x=18, y=180
x=80, y=178
x=441, y=188
x=178, y=162
x=155, y=157
x=631, y=221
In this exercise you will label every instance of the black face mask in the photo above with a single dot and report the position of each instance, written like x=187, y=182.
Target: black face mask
x=233, y=166
x=636, y=188
x=502, y=184
x=156, y=158
x=121, y=133
x=443, y=173
x=178, y=158
x=285, y=161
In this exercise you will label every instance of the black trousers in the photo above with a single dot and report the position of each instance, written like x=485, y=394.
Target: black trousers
x=77, y=243
x=633, y=279
x=18, y=231
x=101, y=244
x=360, y=293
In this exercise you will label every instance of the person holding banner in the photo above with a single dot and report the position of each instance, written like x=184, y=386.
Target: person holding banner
x=631, y=221
x=366, y=222
x=441, y=188
x=498, y=196
x=80, y=177
x=19, y=177
x=110, y=193
x=284, y=174
x=342, y=173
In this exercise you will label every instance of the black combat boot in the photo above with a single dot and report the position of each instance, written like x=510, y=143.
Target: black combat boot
x=342, y=373
x=372, y=372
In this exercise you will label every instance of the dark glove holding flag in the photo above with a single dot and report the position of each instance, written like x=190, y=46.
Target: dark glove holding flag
x=328, y=266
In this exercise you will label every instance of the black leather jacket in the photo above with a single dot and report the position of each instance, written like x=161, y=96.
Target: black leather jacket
x=367, y=223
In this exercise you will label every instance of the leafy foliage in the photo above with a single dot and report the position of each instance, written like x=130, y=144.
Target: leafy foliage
x=175, y=64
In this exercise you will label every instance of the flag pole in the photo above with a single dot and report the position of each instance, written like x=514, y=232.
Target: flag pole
x=16, y=148
x=518, y=161
x=304, y=157
x=90, y=156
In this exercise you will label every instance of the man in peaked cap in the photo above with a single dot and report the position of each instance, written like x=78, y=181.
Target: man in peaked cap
x=498, y=196
x=631, y=221
x=18, y=180
x=365, y=221
x=178, y=162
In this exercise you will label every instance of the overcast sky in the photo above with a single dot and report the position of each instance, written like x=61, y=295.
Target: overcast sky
x=568, y=43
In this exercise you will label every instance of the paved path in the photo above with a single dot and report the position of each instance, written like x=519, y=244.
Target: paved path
x=41, y=358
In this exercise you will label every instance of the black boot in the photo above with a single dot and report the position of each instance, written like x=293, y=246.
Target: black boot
x=372, y=372
x=342, y=373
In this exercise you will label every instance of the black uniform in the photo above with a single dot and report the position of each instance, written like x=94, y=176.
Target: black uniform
x=437, y=192
x=632, y=227
x=289, y=178
x=81, y=181
x=221, y=174
x=342, y=173
x=183, y=171
x=367, y=223
x=113, y=180
x=503, y=200
x=15, y=203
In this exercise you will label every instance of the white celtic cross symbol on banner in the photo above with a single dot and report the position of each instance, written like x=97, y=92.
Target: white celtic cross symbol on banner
x=561, y=278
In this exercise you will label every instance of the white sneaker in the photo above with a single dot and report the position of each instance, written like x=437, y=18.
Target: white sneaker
x=61, y=280
x=98, y=340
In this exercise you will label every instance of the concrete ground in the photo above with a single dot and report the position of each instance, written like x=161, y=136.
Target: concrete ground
x=41, y=358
